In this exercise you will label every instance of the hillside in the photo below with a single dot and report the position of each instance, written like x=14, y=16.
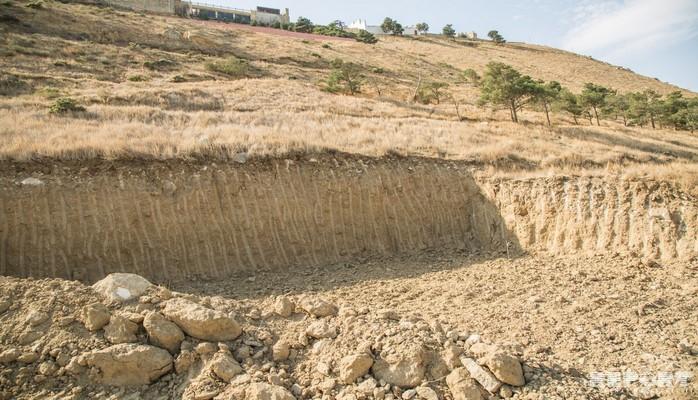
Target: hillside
x=148, y=92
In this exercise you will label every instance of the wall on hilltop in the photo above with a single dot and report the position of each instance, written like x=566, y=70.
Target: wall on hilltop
x=157, y=6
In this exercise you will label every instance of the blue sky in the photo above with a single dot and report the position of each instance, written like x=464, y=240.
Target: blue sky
x=656, y=38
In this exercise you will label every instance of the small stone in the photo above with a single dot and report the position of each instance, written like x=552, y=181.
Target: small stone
x=225, y=366
x=481, y=375
x=506, y=368
x=184, y=361
x=120, y=330
x=472, y=339
x=451, y=356
x=32, y=182
x=427, y=393
x=201, y=322
x=318, y=307
x=240, y=158
x=4, y=305
x=280, y=350
x=354, y=366
x=462, y=386
x=321, y=329
x=206, y=348
x=368, y=386
x=28, y=357
x=122, y=287
x=265, y=391
x=284, y=306
x=47, y=368
x=162, y=332
x=10, y=355
x=95, y=316
x=36, y=317
x=505, y=392
x=405, y=370
x=408, y=394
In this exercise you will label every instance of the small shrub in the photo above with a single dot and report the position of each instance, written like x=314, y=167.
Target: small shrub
x=159, y=65
x=346, y=77
x=316, y=55
x=36, y=4
x=137, y=78
x=326, y=46
x=50, y=93
x=178, y=79
x=378, y=70
x=305, y=41
x=65, y=105
x=233, y=67
x=11, y=85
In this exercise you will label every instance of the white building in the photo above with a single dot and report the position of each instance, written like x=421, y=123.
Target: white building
x=360, y=24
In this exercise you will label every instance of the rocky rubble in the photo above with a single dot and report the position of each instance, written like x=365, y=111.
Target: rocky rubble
x=182, y=346
x=162, y=345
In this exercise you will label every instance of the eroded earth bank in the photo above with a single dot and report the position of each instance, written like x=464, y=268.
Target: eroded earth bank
x=342, y=277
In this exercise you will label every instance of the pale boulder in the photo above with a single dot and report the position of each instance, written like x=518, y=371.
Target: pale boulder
x=122, y=287
x=201, y=322
x=129, y=364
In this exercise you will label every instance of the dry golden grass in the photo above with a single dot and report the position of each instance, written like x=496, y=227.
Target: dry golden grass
x=283, y=109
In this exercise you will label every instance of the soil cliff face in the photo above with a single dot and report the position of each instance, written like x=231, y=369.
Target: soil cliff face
x=174, y=220
x=653, y=220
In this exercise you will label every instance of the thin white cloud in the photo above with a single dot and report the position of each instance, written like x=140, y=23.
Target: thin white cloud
x=630, y=27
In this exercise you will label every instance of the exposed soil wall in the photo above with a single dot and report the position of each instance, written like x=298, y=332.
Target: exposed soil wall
x=173, y=220
x=595, y=215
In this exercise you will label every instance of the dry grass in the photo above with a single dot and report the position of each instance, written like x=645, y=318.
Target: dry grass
x=214, y=115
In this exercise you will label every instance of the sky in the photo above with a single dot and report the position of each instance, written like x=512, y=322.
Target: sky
x=655, y=38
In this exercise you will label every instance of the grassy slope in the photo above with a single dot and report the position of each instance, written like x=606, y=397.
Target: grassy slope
x=90, y=53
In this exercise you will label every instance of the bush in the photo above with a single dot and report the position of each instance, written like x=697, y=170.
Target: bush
x=65, y=105
x=178, y=79
x=366, y=37
x=159, y=65
x=345, y=77
x=233, y=67
x=137, y=78
x=326, y=46
x=11, y=85
x=36, y=4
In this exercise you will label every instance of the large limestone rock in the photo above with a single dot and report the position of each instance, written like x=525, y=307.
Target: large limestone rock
x=95, y=316
x=122, y=287
x=162, y=332
x=506, y=368
x=318, y=307
x=284, y=307
x=462, y=386
x=354, y=366
x=201, y=322
x=120, y=330
x=265, y=391
x=406, y=369
x=482, y=375
x=129, y=364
